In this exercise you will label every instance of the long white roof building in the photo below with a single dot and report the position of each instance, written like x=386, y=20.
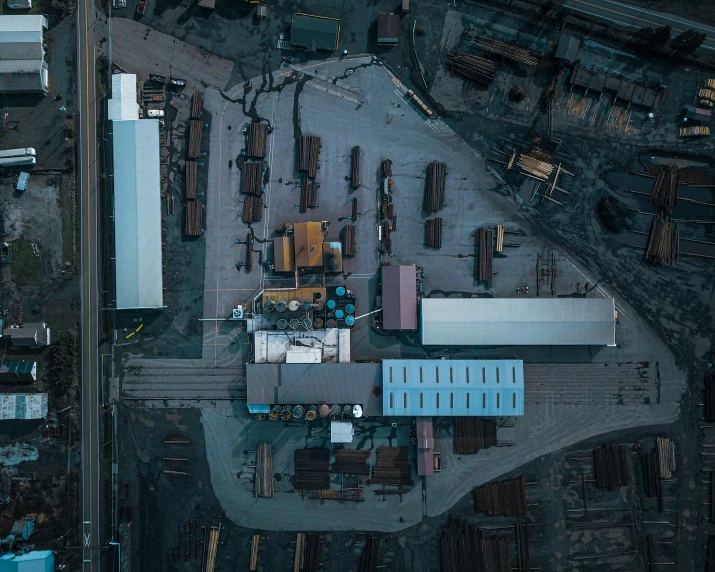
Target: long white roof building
x=22, y=54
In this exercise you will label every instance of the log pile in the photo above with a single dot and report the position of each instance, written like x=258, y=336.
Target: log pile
x=252, y=178
x=610, y=466
x=464, y=548
x=485, y=256
x=312, y=469
x=197, y=105
x=651, y=479
x=194, y=219
x=665, y=189
x=308, y=194
x=256, y=138
x=308, y=155
x=663, y=241
x=535, y=167
x=264, y=470
x=368, y=556
x=503, y=49
x=191, y=179
x=710, y=560
x=666, y=457
x=386, y=169
x=434, y=233
x=385, y=244
x=311, y=560
x=472, y=434
x=473, y=67
x=523, y=554
x=347, y=238
x=710, y=396
x=351, y=462
x=196, y=128
x=435, y=186
x=355, y=155
x=694, y=131
x=392, y=467
x=252, y=209
x=505, y=497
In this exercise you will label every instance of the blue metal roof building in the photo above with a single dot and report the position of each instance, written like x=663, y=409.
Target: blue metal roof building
x=444, y=388
x=35, y=561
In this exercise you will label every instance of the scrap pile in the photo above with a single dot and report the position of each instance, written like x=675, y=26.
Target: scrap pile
x=471, y=434
x=434, y=233
x=252, y=209
x=535, y=167
x=351, y=462
x=505, y=497
x=264, y=471
x=694, y=131
x=252, y=178
x=465, y=548
x=666, y=457
x=473, y=67
x=368, y=556
x=191, y=179
x=485, y=256
x=392, y=467
x=663, y=241
x=347, y=238
x=256, y=139
x=312, y=469
x=194, y=219
x=308, y=155
x=611, y=466
x=197, y=105
x=355, y=155
x=434, y=187
x=710, y=395
x=196, y=128
x=503, y=49
x=665, y=189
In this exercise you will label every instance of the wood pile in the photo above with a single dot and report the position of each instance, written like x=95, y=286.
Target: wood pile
x=385, y=244
x=256, y=139
x=312, y=469
x=354, y=211
x=434, y=233
x=503, y=49
x=252, y=209
x=472, y=434
x=253, y=563
x=523, y=554
x=308, y=155
x=197, y=105
x=710, y=83
x=694, y=131
x=500, y=238
x=706, y=93
x=663, y=241
x=712, y=497
x=505, y=497
x=192, y=176
x=351, y=462
x=610, y=464
x=481, y=70
x=347, y=238
x=485, y=256
x=710, y=396
x=651, y=478
x=666, y=457
x=393, y=467
x=196, y=128
x=355, y=155
x=464, y=548
x=389, y=492
x=535, y=167
x=194, y=219
x=308, y=194
x=435, y=186
x=310, y=553
x=264, y=469
x=252, y=178
x=249, y=251
x=386, y=168
x=368, y=556
x=710, y=559
x=665, y=189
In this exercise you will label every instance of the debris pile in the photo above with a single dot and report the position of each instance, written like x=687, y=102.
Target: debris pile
x=481, y=70
x=472, y=434
x=505, y=497
x=610, y=466
x=434, y=187
x=434, y=233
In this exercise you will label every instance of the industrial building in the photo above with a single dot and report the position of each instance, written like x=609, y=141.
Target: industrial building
x=22, y=55
x=315, y=33
x=567, y=49
x=518, y=322
x=23, y=406
x=331, y=345
x=35, y=561
x=18, y=371
x=425, y=446
x=308, y=243
x=29, y=335
x=137, y=200
x=399, y=297
x=388, y=29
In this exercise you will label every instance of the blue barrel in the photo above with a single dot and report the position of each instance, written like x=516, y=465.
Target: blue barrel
x=340, y=291
x=350, y=309
x=331, y=304
x=307, y=304
x=339, y=314
x=350, y=320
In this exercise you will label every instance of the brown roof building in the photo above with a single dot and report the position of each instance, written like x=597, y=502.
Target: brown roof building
x=308, y=238
x=388, y=27
x=425, y=447
x=399, y=297
x=284, y=254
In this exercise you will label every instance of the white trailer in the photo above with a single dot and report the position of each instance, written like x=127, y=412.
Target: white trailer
x=17, y=161
x=23, y=151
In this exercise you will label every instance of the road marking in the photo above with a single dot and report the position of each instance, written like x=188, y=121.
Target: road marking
x=86, y=540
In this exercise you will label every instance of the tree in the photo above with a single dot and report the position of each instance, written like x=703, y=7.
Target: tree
x=687, y=42
x=653, y=37
x=644, y=35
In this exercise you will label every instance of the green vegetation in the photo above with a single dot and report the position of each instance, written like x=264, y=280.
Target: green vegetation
x=65, y=360
x=26, y=267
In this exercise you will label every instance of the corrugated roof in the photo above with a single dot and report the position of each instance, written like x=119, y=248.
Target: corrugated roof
x=18, y=371
x=425, y=447
x=283, y=254
x=518, y=321
x=20, y=50
x=452, y=387
x=26, y=29
x=568, y=48
x=35, y=561
x=341, y=432
x=137, y=209
x=23, y=406
x=308, y=238
x=30, y=334
x=315, y=32
x=123, y=104
x=23, y=76
x=399, y=297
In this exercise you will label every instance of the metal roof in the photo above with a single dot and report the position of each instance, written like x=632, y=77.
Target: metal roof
x=399, y=297
x=315, y=32
x=283, y=254
x=308, y=237
x=341, y=432
x=447, y=388
x=518, y=321
x=137, y=210
x=23, y=76
x=123, y=104
x=29, y=334
x=35, y=561
x=567, y=49
x=23, y=406
x=425, y=446
x=22, y=28
x=388, y=28
x=18, y=371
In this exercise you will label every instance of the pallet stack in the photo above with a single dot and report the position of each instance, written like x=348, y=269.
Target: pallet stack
x=663, y=241
x=256, y=139
x=393, y=467
x=610, y=464
x=252, y=178
x=434, y=233
x=347, y=238
x=473, y=67
x=351, y=462
x=191, y=179
x=472, y=434
x=196, y=128
x=435, y=186
x=264, y=470
x=308, y=155
x=312, y=469
x=355, y=155
x=194, y=219
x=252, y=209
x=485, y=256
x=197, y=105
x=506, y=497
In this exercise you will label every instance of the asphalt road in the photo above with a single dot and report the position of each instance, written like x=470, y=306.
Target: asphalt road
x=86, y=78
x=633, y=17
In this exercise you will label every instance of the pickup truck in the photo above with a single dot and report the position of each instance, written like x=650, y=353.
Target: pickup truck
x=157, y=78
x=175, y=81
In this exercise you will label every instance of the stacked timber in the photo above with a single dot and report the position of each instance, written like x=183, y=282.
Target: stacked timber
x=256, y=138
x=434, y=233
x=191, y=179
x=535, y=167
x=249, y=251
x=308, y=194
x=386, y=168
x=710, y=83
x=610, y=464
x=485, y=256
x=252, y=209
x=712, y=497
x=368, y=556
x=694, y=131
x=312, y=553
x=523, y=555
x=465, y=548
x=710, y=396
x=355, y=155
x=665, y=189
x=710, y=558
x=196, y=128
x=308, y=155
x=385, y=243
x=194, y=219
x=347, y=239
x=435, y=186
x=264, y=469
x=651, y=478
x=666, y=457
x=312, y=469
x=478, y=69
x=505, y=497
x=707, y=94
x=472, y=434
x=663, y=241
x=351, y=462
x=503, y=49
x=252, y=178
x=197, y=105
x=392, y=467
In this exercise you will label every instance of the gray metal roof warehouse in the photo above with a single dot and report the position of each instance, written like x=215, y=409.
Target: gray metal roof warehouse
x=399, y=297
x=518, y=321
x=315, y=32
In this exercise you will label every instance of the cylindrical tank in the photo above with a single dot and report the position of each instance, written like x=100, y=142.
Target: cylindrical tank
x=340, y=291
x=318, y=323
x=287, y=412
x=335, y=409
x=331, y=323
x=319, y=305
x=307, y=304
x=294, y=324
x=347, y=410
x=317, y=296
x=298, y=411
x=306, y=323
x=339, y=314
x=269, y=306
x=357, y=411
x=349, y=320
x=324, y=410
x=350, y=308
x=282, y=324
x=331, y=304
x=311, y=412
x=293, y=305
x=281, y=306
x=275, y=412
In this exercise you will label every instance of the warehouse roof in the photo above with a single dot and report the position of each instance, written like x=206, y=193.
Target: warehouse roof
x=315, y=32
x=35, y=561
x=137, y=210
x=446, y=388
x=308, y=238
x=123, y=104
x=425, y=446
x=23, y=406
x=22, y=66
x=518, y=321
x=698, y=113
x=388, y=28
x=18, y=371
x=22, y=28
x=23, y=76
x=28, y=335
x=399, y=297
x=283, y=254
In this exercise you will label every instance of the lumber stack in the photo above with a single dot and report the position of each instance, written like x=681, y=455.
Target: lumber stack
x=347, y=239
x=535, y=167
x=710, y=559
x=480, y=70
x=472, y=434
x=196, y=128
x=665, y=189
x=252, y=178
x=694, y=131
x=386, y=168
x=385, y=243
x=355, y=155
x=709, y=412
x=610, y=466
x=651, y=479
x=434, y=233
x=197, y=104
x=351, y=462
x=523, y=554
x=308, y=194
x=211, y=548
x=312, y=553
x=368, y=556
x=505, y=497
x=256, y=139
x=253, y=563
x=194, y=219
x=192, y=175
x=666, y=457
x=264, y=469
x=312, y=469
x=503, y=49
x=252, y=209
x=308, y=155
x=435, y=186
x=712, y=498
x=663, y=241
x=465, y=548
x=392, y=467
x=485, y=256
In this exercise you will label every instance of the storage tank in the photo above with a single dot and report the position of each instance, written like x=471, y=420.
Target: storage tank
x=275, y=412
x=350, y=309
x=319, y=305
x=340, y=291
x=281, y=306
x=306, y=323
x=339, y=314
x=332, y=323
x=349, y=320
x=307, y=304
x=269, y=306
x=331, y=304
x=298, y=411
x=324, y=410
x=282, y=324
x=287, y=412
x=335, y=409
x=293, y=305
x=318, y=323
x=294, y=324
x=317, y=296
x=357, y=411
x=347, y=410
x=311, y=412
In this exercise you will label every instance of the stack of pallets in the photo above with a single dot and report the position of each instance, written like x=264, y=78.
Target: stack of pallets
x=252, y=209
x=347, y=238
x=308, y=155
x=264, y=470
x=197, y=105
x=256, y=138
x=435, y=186
x=505, y=497
x=434, y=233
x=196, y=128
x=312, y=469
x=351, y=462
x=355, y=155
x=472, y=434
x=485, y=256
x=252, y=178
x=392, y=467
x=610, y=464
x=194, y=219
x=191, y=179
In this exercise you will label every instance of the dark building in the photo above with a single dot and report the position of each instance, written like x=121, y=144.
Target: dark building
x=387, y=29
x=693, y=113
x=18, y=371
x=315, y=32
x=399, y=297
x=567, y=49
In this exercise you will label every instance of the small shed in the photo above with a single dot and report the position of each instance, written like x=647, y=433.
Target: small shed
x=284, y=254
x=341, y=432
x=19, y=4
x=425, y=446
x=22, y=181
x=18, y=371
x=567, y=49
x=388, y=26
x=29, y=335
x=315, y=32
x=693, y=113
x=207, y=4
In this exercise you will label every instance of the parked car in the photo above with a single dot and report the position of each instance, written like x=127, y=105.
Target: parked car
x=175, y=81
x=155, y=113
